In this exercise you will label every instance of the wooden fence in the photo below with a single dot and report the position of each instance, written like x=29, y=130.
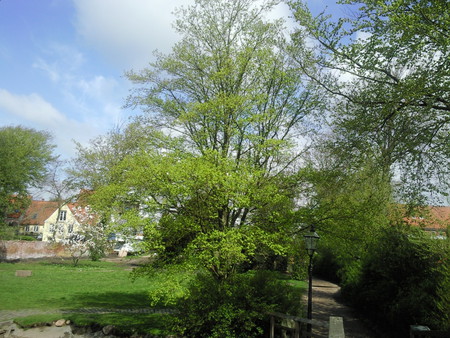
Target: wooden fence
x=296, y=326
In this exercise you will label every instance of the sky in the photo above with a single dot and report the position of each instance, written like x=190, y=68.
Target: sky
x=62, y=61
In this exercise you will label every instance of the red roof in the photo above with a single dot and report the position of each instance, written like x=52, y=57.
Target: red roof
x=38, y=212
x=432, y=218
x=82, y=213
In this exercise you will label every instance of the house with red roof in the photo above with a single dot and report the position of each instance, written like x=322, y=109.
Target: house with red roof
x=49, y=220
x=33, y=220
x=65, y=221
x=434, y=220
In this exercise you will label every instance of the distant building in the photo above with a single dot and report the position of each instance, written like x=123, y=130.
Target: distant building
x=48, y=220
x=63, y=222
x=433, y=219
x=33, y=220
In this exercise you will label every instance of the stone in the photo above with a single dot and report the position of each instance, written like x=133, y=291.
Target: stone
x=122, y=253
x=67, y=322
x=60, y=323
x=108, y=329
x=23, y=273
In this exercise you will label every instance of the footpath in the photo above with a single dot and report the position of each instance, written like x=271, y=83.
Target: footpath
x=325, y=303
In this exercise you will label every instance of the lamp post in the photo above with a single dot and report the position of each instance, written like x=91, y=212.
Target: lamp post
x=311, y=244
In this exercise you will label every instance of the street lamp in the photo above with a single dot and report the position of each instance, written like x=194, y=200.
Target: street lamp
x=311, y=240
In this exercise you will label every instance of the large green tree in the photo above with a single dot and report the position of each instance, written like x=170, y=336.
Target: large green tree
x=233, y=103
x=90, y=169
x=24, y=156
x=386, y=70
x=349, y=206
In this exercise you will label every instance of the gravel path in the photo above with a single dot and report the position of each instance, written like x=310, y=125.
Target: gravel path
x=325, y=303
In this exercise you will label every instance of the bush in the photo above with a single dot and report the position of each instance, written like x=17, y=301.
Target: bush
x=403, y=281
x=26, y=238
x=236, y=307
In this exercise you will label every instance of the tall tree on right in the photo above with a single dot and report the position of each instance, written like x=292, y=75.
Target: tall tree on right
x=386, y=70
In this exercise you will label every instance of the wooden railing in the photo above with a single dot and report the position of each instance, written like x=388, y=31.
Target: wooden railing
x=296, y=325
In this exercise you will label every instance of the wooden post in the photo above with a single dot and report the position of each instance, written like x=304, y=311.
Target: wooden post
x=309, y=312
x=336, y=329
x=272, y=327
x=297, y=330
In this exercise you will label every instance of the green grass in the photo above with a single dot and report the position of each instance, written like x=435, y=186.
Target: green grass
x=58, y=285
x=63, y=286
x=128, y=324
x=37, y=320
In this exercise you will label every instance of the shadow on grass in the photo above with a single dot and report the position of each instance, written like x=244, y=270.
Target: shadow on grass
x=110, y=300
x=128, y=324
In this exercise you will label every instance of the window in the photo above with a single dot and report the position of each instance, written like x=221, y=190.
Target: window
x=34, y=216
x=36, y=228
x=70, y=229
x=27, y=228
x=62, y=215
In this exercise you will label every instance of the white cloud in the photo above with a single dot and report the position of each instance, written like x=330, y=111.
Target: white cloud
x=58, y=59
x=35, y=112
x=87, y=96
x=48, y=69
x=127, y=32
x=98, y=87
x=31, y=107
x=283, y=11
x=363, y=36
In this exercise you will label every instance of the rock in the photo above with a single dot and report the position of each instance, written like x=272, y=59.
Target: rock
x=67, y=322
x=108, y=329
x=98, y=334
x=60, y=323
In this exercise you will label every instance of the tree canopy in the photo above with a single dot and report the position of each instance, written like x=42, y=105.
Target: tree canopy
x=216, y=169
x=24, y=156
x=230, y=105
x=386, y=72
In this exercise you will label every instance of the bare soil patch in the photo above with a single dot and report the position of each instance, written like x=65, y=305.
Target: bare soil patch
x=129, y=261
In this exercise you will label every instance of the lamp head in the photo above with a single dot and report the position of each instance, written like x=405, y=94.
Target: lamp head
x=311, y=240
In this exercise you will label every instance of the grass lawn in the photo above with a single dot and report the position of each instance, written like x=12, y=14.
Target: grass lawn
x=62, y=286
x=58, y=285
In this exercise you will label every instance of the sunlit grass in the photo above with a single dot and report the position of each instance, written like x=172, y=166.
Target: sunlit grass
x=58, y=285
x=63, y=286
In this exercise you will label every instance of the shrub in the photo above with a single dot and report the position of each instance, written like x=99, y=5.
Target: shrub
x=236, y=307
x=403, y=281
x=26, y=238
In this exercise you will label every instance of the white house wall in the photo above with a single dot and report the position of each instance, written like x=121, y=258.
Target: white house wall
x=63, y=225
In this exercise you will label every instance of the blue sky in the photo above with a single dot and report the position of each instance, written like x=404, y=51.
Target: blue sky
x=62, y=61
